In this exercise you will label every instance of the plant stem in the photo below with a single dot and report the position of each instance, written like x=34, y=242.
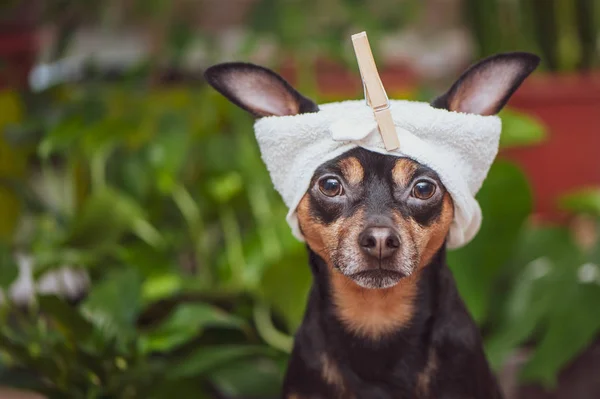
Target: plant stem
x=193, y=217
x=482, y=16
x=233, y=246
x=585, y=14
x=268, y=332
x=546, y=28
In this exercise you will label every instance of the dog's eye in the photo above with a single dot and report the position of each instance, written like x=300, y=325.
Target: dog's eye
x=330, y=186
x=423, y=190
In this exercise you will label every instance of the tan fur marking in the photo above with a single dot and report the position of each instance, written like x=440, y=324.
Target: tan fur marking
x=372, y=313
x=429, y=239
x=366, y=312
x=403, y=171
x=331, y=373
x=320, y=239
x=424, y=377
x=352, y=170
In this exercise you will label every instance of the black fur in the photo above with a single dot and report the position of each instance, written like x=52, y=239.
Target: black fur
x=388, y=368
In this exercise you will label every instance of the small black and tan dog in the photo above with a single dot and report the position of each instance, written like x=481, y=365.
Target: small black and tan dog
x=384, y=318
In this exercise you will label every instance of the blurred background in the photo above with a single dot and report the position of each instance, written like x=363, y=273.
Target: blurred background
x=143, y=251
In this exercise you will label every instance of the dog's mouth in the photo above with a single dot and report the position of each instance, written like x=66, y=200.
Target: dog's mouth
x=377, y=278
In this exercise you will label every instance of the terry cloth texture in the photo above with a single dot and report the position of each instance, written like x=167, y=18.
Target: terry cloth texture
x=459, y=147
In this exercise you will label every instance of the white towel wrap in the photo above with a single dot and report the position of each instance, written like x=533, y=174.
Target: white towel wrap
x=460, y=147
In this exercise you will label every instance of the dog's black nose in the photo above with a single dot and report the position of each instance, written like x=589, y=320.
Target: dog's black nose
x=380, y=242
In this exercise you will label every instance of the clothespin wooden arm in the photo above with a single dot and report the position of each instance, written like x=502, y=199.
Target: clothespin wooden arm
x=374, y=91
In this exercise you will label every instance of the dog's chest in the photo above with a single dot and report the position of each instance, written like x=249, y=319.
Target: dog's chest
x=395, y=371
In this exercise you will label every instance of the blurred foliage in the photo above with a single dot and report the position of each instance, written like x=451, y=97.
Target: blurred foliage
x=564, y=32
x=159, y=193
x=330, y=21
x=161, y=196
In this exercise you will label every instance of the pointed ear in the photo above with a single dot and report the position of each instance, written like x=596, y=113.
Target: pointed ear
x=258, y=90
x=485, y=87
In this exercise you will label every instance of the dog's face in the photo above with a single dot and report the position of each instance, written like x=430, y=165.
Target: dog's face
x=375, y=218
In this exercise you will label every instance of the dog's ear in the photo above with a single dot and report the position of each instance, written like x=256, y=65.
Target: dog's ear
x=485, y=87
x=258, y=90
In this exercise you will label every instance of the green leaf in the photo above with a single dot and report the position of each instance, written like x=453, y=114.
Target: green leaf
x=67, y=318
x=206, y=359
x=286, y=282
x=185, y=323
x=545, y=262
x=573, y=326
x=105, y=217
x=63, y=136
x=26, y=356
x=476, y=265
x=147, y=260
x=9, y=269
x=113, y=304
x=526, y=306
x=46, y=260
x=520, y=130
x=161, y=286
x=258, y=378
x=185, y=389
x=20, y=379
x=582, y=201
x=167, y=152
x=226, y=187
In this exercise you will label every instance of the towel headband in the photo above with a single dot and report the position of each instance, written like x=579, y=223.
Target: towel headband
x=457, y=136
x=460, y=147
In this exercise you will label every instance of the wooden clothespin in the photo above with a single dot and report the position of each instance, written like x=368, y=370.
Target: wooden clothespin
x=374, y=91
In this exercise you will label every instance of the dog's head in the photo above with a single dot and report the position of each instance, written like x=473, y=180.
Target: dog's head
x=375, y=218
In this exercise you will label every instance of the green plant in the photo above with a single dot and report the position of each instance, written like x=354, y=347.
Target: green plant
x=159, y=194
x=554, y=280
x=563, y=32
x=165, y=202
x=162, y=198
x=308, y=31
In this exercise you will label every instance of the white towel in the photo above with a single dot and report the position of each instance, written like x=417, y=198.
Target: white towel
x=459, y=147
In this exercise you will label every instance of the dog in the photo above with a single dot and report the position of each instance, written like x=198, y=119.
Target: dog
x=384, y=318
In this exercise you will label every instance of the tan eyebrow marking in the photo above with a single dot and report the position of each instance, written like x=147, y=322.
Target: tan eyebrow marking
x=352, y=170
x=320, y=238
x=403, y=171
